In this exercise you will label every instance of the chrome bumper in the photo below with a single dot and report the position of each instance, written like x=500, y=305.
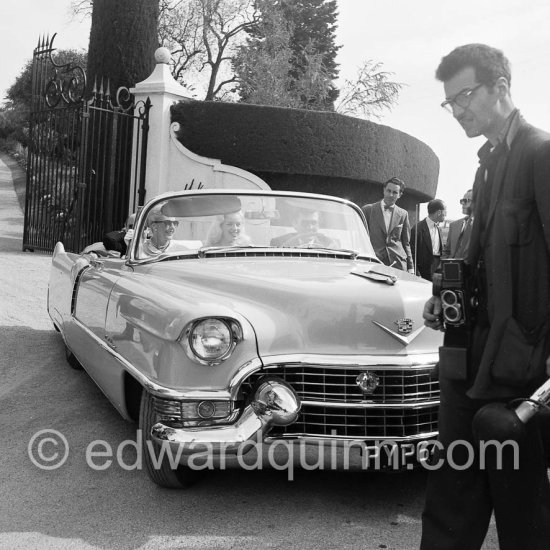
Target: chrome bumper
x=275, y=403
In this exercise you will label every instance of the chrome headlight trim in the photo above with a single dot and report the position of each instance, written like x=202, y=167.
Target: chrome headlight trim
x=234, y=331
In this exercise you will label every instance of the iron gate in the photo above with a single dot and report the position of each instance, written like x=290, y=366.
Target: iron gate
x=86, y=157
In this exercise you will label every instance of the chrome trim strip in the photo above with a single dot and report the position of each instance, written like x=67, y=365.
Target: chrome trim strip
x=384, y=362
x=242, y=374
x=367, y=405
x=313, y=439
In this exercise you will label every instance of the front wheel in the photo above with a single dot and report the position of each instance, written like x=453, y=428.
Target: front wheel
x=156, y=458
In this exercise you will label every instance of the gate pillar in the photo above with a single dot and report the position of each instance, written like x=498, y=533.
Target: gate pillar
x=163, y=91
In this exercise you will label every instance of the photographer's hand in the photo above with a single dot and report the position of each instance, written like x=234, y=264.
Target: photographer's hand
x=433, y=313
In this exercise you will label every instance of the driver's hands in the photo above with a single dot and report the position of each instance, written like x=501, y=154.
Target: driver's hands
x=432, y=313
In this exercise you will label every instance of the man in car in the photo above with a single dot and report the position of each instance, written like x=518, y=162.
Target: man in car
x=307, y=233
x=118, y=240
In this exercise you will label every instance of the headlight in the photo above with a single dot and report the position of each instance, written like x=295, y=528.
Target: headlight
x=211, y=340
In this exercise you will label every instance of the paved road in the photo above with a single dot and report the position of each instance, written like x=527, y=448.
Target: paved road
x=79, y=507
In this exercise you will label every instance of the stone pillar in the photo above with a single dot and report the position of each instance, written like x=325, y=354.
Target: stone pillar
x=163, y=92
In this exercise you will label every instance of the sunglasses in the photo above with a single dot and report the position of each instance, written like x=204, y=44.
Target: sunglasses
x=465, y=201
x=168, y=223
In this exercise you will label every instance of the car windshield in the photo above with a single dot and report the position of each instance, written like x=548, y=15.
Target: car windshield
x=199, y=223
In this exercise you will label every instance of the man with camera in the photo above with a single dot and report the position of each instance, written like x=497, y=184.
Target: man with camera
x=495, y=310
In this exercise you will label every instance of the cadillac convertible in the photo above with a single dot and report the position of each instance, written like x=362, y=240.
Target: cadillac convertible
x=245, y=318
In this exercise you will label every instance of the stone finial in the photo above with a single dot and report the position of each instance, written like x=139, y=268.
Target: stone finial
x=162, y=55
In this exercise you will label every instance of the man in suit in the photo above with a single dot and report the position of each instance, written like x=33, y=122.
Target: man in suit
x=505, y=353
x=307, y=232
x=389, y=227
x=460, y=230
x=118, y=240
x=426, y=241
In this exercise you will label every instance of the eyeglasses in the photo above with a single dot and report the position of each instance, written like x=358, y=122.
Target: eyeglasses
x=168, y=223
x=465, y=201
x=462, y=99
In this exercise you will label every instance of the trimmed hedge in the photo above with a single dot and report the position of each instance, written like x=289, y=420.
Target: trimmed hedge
x=313, y=151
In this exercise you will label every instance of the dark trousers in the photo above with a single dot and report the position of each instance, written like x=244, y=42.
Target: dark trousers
x=436, y=262
x=459, y=502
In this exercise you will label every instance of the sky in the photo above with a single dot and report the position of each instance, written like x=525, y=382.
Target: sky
x=408, y=37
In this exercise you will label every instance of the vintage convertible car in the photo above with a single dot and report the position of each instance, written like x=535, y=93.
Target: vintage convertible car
x=247, y=317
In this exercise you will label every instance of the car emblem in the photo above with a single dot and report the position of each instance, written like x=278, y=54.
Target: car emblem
x=368, y=382
x=404, y=326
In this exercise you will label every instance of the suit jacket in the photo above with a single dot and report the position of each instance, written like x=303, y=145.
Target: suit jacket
x=392, y=247
x=114, y=240
x=456, y=237
x=511, y=233
x=422, y=249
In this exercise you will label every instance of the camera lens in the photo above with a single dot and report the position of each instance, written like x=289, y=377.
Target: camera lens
x=452, y=314
x=449, y=298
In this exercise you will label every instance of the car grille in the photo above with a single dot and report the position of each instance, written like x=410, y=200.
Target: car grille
x=405, y=403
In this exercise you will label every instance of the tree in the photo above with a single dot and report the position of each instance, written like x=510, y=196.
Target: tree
x=203, y=36
x=272, y=52
x=123, y=40
x=14, y=116
x=370, y=93
x=289, y=57
x=262, y=66
x=314, y=34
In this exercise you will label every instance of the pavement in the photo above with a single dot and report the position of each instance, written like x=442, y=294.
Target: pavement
x=23, y=275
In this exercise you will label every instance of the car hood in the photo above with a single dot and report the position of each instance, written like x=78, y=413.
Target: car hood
x=302, y=305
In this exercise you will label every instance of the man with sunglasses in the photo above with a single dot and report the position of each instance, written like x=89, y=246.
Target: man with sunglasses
x=460, y=230
x=508, y=345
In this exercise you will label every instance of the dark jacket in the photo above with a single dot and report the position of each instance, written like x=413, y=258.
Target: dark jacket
x=114, y=240
x=422, y=249
x=511, y=235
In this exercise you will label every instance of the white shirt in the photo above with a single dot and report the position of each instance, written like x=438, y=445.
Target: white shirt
x=434, y=234
x=387, y=214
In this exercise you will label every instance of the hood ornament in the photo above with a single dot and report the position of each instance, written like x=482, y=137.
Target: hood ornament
x=368, y=382
x=404, y=326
